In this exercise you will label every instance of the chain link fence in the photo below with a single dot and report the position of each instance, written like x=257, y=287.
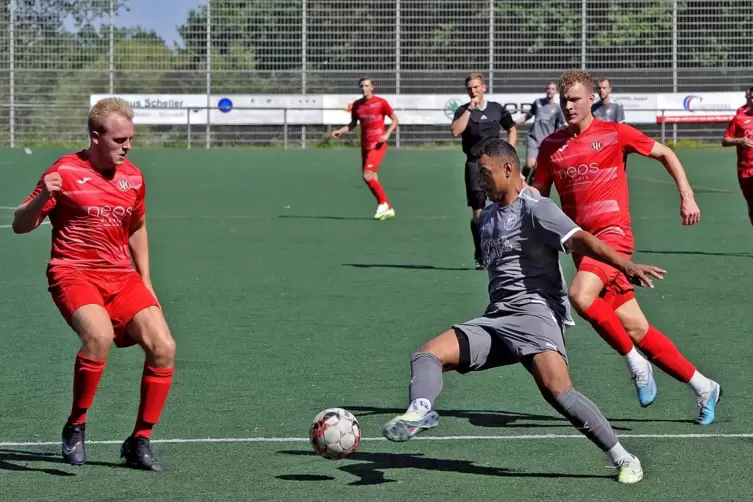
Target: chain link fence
x=55, y=54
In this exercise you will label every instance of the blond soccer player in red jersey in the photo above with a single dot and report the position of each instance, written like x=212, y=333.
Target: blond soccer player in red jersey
x=370, y=111
x=98, y=273
x=739, y=134
x=586, y=162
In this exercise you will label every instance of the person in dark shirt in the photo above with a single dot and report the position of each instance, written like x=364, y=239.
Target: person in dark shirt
x=476, y=121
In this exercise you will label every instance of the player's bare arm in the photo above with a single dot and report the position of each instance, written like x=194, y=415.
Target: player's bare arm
x=689, y=210
x=524, y=118
x=393, y=125
x=345, y=129
x=729, y=141
x=138, y=243
x=585, y=244
x=27, y=216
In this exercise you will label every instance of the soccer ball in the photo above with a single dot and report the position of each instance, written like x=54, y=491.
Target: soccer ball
x=335, y=433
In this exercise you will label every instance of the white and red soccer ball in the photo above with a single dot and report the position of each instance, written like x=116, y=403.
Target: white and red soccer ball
x=335, y=433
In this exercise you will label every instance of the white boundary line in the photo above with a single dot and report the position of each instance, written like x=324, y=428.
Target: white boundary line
x=420, y=438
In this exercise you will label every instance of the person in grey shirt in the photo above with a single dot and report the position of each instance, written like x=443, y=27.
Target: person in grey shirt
x=547, y=118
x=522, y=234
x=605, y=109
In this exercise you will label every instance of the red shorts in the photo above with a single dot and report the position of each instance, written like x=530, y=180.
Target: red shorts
x=617, y=288
x=121, y=294
x=371, y=159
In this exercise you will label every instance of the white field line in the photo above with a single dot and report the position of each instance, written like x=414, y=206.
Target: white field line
x=536, y=437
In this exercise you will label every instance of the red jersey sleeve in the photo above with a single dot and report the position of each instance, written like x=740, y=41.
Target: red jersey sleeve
x=732, y=131
x=542, y=176
x=633, y=141
x=50, y=205
x=387, y=108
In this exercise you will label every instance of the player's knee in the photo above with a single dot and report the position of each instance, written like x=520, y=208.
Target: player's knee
x=445, y=348
x=161, y=349
x=636, y=330
x=94, y=329
x=580, y=299
x=97, y=344
x=368, y=176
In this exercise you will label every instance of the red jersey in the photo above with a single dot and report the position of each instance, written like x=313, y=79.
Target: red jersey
x=589, y=173
x=742, y=127
x=92, y=214
x=370, y=113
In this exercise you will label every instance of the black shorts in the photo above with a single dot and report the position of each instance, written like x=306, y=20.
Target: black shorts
x=474, y=193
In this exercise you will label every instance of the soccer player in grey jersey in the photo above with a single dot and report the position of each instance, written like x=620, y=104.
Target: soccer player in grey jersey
x=605, y=109
x=547, y=118
x=522, y=235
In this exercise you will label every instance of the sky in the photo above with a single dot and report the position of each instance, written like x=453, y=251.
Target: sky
x=162, y=16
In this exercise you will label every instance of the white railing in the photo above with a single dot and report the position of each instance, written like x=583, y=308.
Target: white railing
x=192, y=127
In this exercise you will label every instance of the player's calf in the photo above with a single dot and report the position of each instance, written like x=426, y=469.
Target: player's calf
x=550, y=373
x=427, y=365
x=149, y=329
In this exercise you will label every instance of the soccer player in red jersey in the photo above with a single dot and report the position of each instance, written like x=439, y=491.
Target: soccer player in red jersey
x=586, y=162
x=739, y=133
x=370, y=110
x=98, y=273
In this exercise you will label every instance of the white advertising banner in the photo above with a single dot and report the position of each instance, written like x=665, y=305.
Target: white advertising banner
x=163, y=109
x=698, y=107
x=413, y=109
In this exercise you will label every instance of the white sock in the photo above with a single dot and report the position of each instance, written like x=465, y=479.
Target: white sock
x=637, y=365
x=421, y=404
x=700, y=384
x=618, y=453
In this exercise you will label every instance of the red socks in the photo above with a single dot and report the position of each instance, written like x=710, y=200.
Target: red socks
x=378, y=191
x=664, y=354
x=606, y=323
x=155, y=386
x=86, y=376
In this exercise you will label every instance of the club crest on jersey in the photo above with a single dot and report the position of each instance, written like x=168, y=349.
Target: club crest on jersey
x=124, y=185
x=596, y=146
x=510, y=222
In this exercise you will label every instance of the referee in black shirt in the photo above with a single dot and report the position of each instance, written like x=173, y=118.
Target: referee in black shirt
x=475, y=121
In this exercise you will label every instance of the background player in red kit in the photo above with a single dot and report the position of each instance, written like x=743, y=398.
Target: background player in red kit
x=586, y=162
x=739, y=133
x=95, y=202
x=370, y=110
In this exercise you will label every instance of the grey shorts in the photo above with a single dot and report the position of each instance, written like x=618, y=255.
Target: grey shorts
x=502, y=338
x=532, y=148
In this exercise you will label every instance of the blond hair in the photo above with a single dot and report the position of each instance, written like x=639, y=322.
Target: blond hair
x=572, y=77
x=474, y=76
x=103, y=108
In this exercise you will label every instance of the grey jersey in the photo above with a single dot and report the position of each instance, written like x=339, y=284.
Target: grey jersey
x=547, y=119
x=612, y=112
x=521, y=245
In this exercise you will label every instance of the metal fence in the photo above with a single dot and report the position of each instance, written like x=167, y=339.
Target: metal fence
x=52, y=59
